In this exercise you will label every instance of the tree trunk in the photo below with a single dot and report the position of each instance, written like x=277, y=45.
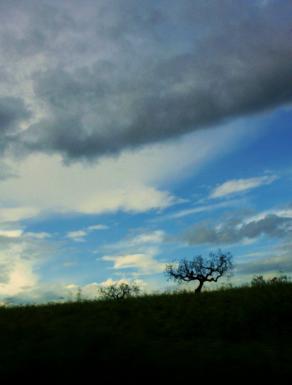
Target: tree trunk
x=199, y=288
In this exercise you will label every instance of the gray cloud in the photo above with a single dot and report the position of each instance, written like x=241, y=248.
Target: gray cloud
x=280, y=261
x=234, y=231
x=117, y=75
x=12, y=112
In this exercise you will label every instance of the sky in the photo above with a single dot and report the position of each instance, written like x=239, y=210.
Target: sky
x=138, y=133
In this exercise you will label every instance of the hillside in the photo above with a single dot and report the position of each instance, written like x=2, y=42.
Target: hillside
x=221, y=333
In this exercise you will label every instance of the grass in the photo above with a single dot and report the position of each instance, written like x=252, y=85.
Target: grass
x=230, y=333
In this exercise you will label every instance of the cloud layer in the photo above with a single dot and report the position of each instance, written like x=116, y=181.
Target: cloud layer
x=235, y=230
x=135, y=181
x=87, y=79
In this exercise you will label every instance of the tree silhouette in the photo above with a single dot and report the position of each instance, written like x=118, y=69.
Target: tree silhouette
x=199, y=269
x=119, y=290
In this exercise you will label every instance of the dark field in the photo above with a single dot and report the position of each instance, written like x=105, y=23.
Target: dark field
x=226, y=334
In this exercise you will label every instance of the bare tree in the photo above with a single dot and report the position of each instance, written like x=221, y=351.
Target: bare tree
x=199, y=269
x=119, y=290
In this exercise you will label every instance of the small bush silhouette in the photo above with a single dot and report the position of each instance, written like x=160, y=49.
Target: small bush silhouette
x=259, y=280
x=79, y=295
x=119, y=290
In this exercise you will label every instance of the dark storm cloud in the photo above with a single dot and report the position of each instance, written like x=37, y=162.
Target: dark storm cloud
x=123, y=74
x=232, y=232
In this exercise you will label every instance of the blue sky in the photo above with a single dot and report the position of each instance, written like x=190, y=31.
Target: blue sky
x=142, y=139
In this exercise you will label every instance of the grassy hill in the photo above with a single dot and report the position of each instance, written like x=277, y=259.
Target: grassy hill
x=230, y=333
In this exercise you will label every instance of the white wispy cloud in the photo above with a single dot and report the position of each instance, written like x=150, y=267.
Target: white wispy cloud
x=239, y=185
x=97, y=227
x=201, y=209
x=156, y=236
x=143, y=263
x=139, y=242
x=77, y=236
x=37, y=234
